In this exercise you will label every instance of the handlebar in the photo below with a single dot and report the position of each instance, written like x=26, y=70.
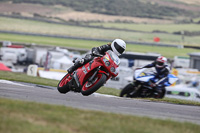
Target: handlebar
x=97, y=54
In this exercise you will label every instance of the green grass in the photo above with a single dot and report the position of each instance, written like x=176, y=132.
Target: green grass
x=196, y=20
x=175, y=101
x=150, y=27
x=169, y=52
x=78, y=31
x=51, y=41
x=21, y=77
x=22, y=117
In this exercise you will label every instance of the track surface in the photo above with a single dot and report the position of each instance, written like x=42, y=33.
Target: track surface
x=100, y=102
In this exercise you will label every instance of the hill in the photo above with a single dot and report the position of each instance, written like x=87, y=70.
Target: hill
x=154, y=9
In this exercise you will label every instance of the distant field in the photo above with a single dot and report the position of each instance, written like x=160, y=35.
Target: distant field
x=166, y=51
x=170, y=28
x=10, y=24
x=140, y=8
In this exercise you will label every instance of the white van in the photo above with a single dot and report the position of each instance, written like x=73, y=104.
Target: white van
x=14, y=55
x=8, y=56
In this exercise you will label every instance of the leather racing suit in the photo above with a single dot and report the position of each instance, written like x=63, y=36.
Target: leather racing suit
x=160, y=76
x=95, y=51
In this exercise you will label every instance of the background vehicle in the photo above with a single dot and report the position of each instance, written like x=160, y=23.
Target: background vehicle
x=90, y=77
x=141, y=87
x=14, y=55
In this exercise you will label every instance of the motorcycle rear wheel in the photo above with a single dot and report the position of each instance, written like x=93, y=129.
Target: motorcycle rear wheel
x=63, y=86
x=125, y=92
x=89, y=88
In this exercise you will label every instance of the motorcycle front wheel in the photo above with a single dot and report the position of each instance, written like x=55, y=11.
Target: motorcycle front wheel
x=63, y=86
x=90, y=87
x=161, y=95
x=127, y=90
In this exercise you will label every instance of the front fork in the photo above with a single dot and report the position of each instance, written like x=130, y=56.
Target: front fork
x=94, y=74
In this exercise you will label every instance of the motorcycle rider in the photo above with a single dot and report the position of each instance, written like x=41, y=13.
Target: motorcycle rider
x=162, y=71
x=118, y=46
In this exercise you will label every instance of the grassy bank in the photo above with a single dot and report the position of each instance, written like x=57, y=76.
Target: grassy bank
x=21, y=77
x=22, y=117
x=79, y=31
x=170, y=28
x=169, y=52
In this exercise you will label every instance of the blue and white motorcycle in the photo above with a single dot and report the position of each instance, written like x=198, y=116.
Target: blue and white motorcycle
x=144, y=85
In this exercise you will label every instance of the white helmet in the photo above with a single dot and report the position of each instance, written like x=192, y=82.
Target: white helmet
x=161, y=61
x=118, y=46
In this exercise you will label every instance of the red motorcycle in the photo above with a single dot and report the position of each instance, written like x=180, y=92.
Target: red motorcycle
x=91, y=76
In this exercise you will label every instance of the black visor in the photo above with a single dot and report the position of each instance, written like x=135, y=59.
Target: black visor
x=119, y=48
x=160, y=63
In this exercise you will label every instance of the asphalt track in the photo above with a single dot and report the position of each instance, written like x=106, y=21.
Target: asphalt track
x=99, y=102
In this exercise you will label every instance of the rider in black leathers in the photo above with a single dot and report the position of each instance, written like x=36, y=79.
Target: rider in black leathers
x=118, y=46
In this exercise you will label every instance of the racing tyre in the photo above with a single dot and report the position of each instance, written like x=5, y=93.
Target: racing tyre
x=63, y=86
x=127, y=90
x=89, y=88
x=162, y=94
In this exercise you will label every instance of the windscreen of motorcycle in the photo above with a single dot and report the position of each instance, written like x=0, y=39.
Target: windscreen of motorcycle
x=138, y=72
x=114, y=57
x=140, y=76
x=172, y=79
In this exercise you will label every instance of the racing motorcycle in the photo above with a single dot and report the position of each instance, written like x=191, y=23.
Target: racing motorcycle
x=144, y=85
x=91, y=76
